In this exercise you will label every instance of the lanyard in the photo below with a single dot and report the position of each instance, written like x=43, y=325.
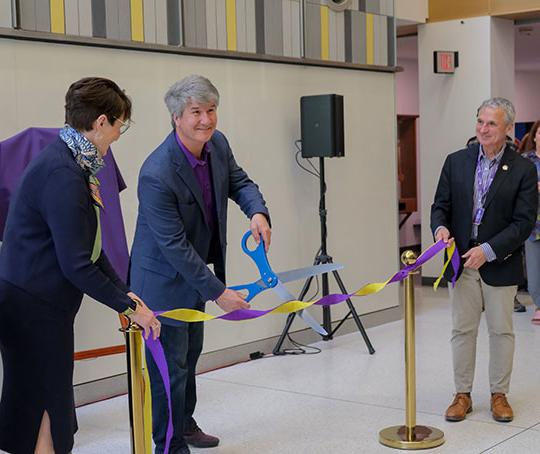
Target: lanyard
x=483, y=183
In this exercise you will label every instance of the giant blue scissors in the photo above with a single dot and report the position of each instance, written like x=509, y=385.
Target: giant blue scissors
x=270, y=280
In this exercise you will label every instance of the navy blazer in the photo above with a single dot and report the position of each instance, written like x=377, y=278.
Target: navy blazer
x=49, y=237
x=510, y=210
x=172, y=241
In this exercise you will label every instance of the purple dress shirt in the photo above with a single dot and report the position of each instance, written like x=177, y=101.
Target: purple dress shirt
x=201, y=169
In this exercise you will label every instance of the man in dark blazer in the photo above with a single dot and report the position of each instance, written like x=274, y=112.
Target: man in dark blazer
x=184, y=187
x=486, y=201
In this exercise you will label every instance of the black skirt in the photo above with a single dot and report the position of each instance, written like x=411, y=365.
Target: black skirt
x=36, y=343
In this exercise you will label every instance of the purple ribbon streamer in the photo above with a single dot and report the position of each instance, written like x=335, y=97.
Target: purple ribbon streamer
x=336, y=298
x=156, y=350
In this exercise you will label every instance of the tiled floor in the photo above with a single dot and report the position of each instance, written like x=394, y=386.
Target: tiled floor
x=337, y=401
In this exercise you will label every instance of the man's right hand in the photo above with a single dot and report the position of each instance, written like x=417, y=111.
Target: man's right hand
x=444, y=234
x=231, y=300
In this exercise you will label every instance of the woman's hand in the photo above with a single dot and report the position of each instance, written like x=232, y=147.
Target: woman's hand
x=145, y=318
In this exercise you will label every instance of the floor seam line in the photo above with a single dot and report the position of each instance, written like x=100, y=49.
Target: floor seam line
x=508, y=439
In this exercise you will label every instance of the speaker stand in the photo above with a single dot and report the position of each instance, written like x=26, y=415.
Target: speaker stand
x=323, y=257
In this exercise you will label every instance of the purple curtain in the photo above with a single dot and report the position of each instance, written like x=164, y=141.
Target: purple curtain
x=15, y=154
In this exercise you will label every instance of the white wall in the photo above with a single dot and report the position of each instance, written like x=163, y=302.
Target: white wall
x=448, y=103
x=411, y=10
x=527, y=97
x=259, y=112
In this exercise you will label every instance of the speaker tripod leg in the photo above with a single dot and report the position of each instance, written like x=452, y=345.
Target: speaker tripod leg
x=290, y=318
x=352, y=310
x=327, y=315
x=277, y=348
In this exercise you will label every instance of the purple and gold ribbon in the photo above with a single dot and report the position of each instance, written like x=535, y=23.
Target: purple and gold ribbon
x=191, y=315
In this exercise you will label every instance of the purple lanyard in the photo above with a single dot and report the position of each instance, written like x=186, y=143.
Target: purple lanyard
x=482, y=183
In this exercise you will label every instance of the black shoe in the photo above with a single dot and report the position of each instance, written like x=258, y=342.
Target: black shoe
x=181, y=450
x=518, y=307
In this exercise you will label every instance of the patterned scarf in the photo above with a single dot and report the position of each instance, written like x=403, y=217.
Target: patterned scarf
x=85, y=152
x=87, y=156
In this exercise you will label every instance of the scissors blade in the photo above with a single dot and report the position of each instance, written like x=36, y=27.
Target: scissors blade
x=285, y=296
x=303, y=273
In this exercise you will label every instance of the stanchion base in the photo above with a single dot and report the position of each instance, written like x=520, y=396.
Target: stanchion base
x=424, y=437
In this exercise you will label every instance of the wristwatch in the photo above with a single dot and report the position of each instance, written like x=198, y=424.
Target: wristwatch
x=130, y=310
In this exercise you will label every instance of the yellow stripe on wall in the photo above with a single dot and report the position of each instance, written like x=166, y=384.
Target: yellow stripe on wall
x=325, y=38
x=231, y=24
x=370, y=40
x=57, y=16
x=137, y=20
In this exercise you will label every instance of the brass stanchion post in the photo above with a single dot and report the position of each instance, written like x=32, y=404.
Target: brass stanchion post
x=134, y=341
x=410, y=436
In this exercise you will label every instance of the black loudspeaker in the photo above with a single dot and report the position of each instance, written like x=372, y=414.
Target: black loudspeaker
x=321, y=124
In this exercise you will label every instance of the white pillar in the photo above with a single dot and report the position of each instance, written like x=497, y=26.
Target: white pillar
x=448, y=103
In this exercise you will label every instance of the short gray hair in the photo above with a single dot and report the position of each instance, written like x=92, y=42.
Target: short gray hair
x=191, y=88
x=500, y=103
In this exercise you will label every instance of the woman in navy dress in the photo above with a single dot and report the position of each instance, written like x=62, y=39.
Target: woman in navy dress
x=51, y=255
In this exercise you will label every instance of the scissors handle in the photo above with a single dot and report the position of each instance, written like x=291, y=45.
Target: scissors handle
x=252, y=289
x=258, y=255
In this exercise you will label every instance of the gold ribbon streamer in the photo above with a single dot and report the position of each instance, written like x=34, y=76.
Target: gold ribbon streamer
x=192, y=315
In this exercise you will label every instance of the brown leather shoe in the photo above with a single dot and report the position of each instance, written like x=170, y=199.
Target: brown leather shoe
x=458, y=409
x=196, y=437
x=500, y=408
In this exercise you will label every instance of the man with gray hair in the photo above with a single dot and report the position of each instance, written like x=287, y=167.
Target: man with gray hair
x=486, y=201
x=184, y=187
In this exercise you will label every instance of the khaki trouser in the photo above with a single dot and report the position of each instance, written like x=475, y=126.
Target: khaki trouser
x=468, y=298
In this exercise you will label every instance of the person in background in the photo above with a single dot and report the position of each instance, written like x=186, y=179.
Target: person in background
x=486, y=201
x=184, y=187
x=531, y=147
x=51, y=255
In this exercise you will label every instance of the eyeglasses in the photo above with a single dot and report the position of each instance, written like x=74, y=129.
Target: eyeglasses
x=124, y=125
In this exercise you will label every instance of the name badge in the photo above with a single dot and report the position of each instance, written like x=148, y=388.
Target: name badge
x=478, y=216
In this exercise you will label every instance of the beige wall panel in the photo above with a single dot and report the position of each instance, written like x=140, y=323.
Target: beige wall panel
x=221, y=25
x=71, y=11
x=5, y=13
x=161, y=21
x=149, y=15
x=259, y=113
x=415, y=11
x=211, y=33
x=251, y=34
x=85, y=17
